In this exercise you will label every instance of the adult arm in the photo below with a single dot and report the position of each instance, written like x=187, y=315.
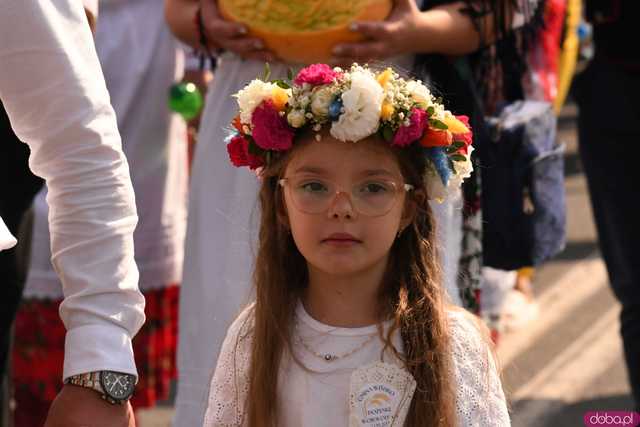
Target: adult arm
x=220, y=33
x=452, y=28
x=53, y=90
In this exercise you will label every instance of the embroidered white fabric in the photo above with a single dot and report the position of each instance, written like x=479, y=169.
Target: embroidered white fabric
x=480, y=400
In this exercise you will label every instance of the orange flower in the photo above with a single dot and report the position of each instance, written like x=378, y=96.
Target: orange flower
x=455, y=125
x=279, y=97
x=384, y=77
x=386, y=111
x=237, y=123
x=436, y=138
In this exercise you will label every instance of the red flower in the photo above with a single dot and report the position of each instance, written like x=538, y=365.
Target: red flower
x=271, y=130
x=316, y=74
x=408, y=134
x=238, y=149
x=436, y=138
x=466, y=137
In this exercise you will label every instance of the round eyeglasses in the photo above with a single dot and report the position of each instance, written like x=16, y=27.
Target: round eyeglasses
x=370, y=197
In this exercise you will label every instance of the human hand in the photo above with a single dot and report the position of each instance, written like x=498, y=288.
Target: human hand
x=232, y=36
x=78, y=406
x=396, y=35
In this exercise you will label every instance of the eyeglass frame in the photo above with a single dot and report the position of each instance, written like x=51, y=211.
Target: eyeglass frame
x=406, y=187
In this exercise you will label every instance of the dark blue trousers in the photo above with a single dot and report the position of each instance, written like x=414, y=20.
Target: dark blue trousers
x=608, y=96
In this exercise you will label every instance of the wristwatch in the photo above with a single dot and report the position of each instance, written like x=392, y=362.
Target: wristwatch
x=114, y=387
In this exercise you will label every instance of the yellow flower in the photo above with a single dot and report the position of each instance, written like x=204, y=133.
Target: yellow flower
x=454, y=125
x=279, y=96
x=386, y=111
x=384, y=77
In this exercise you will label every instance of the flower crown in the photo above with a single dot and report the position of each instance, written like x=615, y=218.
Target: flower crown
x=355, y=104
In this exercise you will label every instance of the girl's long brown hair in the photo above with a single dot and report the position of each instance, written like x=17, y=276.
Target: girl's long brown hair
x=411, y=295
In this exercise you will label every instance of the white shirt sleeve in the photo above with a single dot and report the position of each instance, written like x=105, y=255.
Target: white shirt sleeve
x=7, y=241
x=53, y=90
x=230, y=381
x=480, y=400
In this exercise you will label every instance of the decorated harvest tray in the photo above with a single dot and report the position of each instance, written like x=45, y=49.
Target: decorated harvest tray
x=304, y=31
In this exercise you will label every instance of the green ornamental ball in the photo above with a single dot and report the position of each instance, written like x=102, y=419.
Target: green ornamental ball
x=185, y=99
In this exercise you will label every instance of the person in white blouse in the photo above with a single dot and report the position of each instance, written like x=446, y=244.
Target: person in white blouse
x=350, y=324
x=52, y=88
x=222, y=218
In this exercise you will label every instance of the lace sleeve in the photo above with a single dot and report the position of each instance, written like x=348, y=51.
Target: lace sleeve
x=230, y=382
x=480, y=400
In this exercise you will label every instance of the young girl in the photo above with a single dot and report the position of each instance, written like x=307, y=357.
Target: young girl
x=349, y=324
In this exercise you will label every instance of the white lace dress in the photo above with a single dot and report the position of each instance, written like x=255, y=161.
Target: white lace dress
x=365, y=388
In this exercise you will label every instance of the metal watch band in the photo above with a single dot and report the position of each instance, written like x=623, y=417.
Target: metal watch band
x=92, y=380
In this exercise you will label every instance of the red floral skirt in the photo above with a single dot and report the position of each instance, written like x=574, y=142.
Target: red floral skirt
x=38, y=355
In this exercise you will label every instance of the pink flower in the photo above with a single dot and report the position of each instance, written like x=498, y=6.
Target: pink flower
x=238, y=149
x=316, y=74
x=408, y=134
x=271, y=130
x=466, y=137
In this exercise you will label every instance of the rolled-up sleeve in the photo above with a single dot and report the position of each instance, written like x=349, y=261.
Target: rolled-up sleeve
x=54, y=92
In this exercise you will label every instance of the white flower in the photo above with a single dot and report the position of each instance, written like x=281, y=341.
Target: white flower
x=296, y=118
x=361, y=103
x=463, y=170
x=304, y=101
x=438, y=111
x=320, y=101
x=420, y=93
x=433, y=183
x=436, y=190
x=252, y=96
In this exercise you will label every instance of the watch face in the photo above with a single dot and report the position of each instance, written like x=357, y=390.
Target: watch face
x=116, y=385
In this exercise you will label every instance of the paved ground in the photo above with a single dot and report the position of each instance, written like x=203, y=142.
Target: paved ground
x=570, y=361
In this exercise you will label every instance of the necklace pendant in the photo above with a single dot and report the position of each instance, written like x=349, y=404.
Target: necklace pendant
x=328, y=357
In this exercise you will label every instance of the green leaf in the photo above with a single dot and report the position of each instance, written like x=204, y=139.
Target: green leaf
x=458, y=157
x=267, y=72
x=431, y=110
x=438, y=124
x=282, y=84
x=455, y=146
x=387, y=133
x=254, y=149
x=290, y=74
